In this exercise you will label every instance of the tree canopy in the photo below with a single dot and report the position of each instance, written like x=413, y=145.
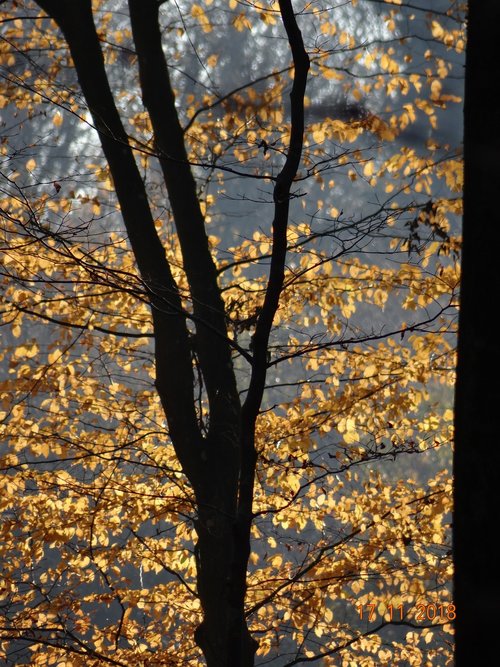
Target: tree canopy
x=229, y=243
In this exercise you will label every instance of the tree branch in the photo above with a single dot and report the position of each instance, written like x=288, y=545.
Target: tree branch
x=281, y=210
x=213, y=348
x=174, y=378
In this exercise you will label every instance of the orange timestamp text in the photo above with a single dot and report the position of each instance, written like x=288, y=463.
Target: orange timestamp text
x=423, y=612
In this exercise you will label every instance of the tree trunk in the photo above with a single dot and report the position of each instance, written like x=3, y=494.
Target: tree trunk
x=477, y=451
x=220, y=465
x=223, y=635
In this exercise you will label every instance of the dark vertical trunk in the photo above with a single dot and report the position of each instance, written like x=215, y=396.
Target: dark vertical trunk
x=222, y=559
x=223, y=544
x=220, y=466
x=477, y=451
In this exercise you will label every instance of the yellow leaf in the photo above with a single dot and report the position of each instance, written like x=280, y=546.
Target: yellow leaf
x=26, y=351
x=368, y=168
x=351, y=437
x=436, y=87
x=277, y=560
x=53, y=356
x=199, y=14
x=293, y=482
x=83, y=561
x=330, y=73
x=437, y=30
x=241, y=22
x=319, y=135
x=212, y=60
x=370, y=371
x=448, y=415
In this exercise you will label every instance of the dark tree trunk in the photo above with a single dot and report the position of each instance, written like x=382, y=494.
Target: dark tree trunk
x=477, y=450
x=220, y=464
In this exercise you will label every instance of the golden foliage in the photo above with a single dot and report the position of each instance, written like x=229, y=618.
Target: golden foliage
x=97, y=534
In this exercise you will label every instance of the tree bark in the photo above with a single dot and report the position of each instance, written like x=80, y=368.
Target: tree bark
x=477, y=454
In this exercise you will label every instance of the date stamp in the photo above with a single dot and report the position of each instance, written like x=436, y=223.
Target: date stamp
x=420, y=613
